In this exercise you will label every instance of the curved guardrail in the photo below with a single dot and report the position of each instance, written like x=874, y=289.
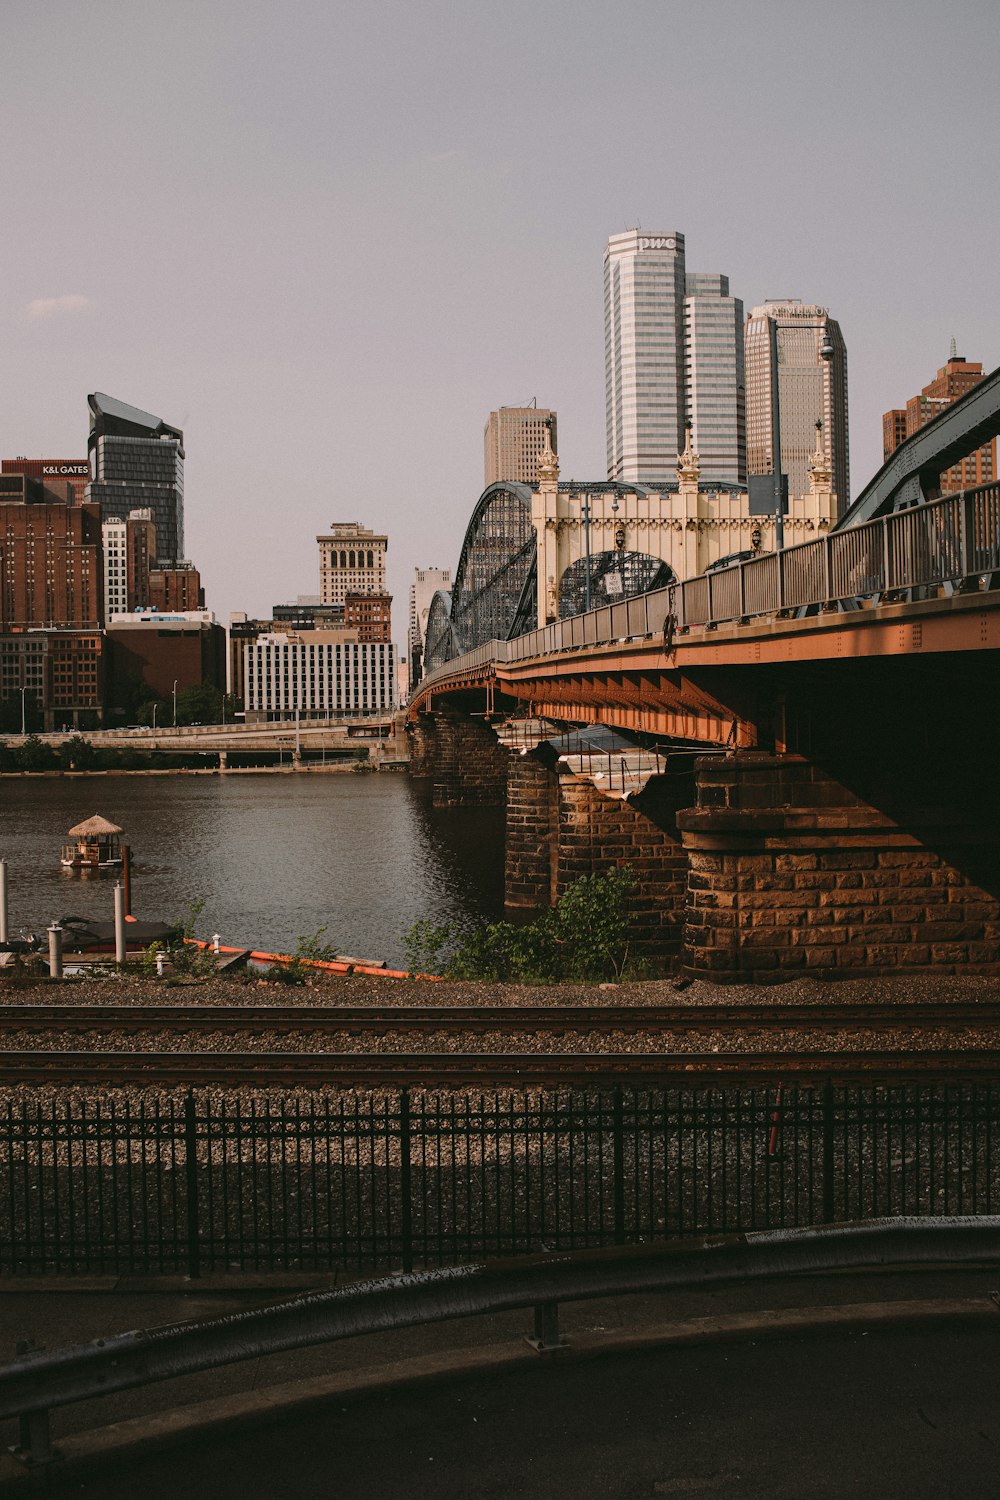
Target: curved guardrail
x=38, y=1381
x=946, y=541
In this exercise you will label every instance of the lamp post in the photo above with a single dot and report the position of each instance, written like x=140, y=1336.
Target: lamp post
x=24, y=729
x=586, y=533
x=175, y=702
x=779, y=499
x=155, y=707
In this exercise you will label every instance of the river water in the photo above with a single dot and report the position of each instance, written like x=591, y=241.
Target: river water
x=274, y=857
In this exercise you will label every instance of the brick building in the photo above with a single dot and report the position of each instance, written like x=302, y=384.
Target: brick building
x=176, y=589
x=370, y=615
x=72, y=471
x=952, y=381
x=51, y=557
x=156, y=651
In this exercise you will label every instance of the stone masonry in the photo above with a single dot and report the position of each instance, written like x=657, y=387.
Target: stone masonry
x=791, y=872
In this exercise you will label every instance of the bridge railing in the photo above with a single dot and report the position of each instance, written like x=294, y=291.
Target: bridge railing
x=946, y=541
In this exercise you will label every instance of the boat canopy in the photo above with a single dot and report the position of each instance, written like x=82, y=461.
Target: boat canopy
x=93, y=828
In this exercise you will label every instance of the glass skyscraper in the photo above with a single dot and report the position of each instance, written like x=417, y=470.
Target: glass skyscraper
x=812, y=387
x=137, y=463
x=673, y=353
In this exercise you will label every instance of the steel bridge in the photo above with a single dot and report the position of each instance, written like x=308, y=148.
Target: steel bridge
x=917, y=582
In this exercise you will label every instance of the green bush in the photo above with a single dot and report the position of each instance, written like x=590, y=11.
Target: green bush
x=584, y=937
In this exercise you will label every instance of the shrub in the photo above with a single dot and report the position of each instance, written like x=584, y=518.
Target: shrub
x=584, y=937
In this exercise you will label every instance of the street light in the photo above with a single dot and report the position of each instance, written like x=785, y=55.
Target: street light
x=24, y=730
x=155, y=707
x=175, y=702
x=586, y=532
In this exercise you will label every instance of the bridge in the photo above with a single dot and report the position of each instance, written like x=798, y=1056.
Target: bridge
x=234, y=744
x=794, y=753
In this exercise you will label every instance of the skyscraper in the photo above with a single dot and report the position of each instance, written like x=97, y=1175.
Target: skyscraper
x=713, y=377
x=952, y=381
x=513, y=440
x=812, y=387
x=672, y=354
x=137, y=463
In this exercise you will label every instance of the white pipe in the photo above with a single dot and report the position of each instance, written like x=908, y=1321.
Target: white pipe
x=55, y=951
x=119, y=923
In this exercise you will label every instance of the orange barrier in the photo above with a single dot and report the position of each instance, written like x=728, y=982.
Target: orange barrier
x=325, y=965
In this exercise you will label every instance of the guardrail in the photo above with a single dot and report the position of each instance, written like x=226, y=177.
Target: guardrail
x=38, y=1381
x=946, y=541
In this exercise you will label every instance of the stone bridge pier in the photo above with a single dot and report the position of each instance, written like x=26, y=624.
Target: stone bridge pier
x=756, y=865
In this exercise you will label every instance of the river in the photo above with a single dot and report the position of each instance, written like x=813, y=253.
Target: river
x=274, y=858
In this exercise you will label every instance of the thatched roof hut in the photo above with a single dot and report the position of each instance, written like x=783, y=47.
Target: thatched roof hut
x=92, y=828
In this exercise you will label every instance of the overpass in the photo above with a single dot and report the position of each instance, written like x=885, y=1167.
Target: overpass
x=298, y=741
x=847, y=689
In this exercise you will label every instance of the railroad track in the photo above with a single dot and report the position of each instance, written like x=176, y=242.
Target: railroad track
x=493, y=1070
x=187, y=1018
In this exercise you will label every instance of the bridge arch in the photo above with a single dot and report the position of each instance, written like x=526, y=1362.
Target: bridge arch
x=495, y=568
x=614, y=575
x=438, y=645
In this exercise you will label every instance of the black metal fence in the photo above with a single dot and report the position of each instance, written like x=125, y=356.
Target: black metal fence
x=216, y=1181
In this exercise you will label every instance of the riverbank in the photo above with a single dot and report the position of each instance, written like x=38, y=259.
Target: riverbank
x=358, y=768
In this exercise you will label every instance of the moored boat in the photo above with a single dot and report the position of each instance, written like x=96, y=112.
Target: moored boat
x=95, y=846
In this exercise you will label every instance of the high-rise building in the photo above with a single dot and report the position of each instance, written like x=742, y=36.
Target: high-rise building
x=672, y=355
x=351, y=561
x=137, y=462
x=812, y=387
x=952, y=381
x=51, y=559
x=426, y=583
x=713, y=377
x=129, y=554
x=513, y=442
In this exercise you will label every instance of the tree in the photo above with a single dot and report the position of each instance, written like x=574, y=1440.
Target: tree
x=200, y=704
x=33, y=755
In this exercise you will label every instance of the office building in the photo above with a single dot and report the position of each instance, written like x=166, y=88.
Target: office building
x=713, y=378
x=369, y=616
x=137, y=463
x=158, y=650
x=812, y=387
x=129, y=554
x=952, y=381
x=51, y=557
x=673, y=355
x=513, y=442
x=60, y=671
x=72, y=471
x=317, y=675
x=426, y=583
x=351, y=560
x=176, y=589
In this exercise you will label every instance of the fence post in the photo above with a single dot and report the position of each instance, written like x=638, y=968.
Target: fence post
x=618, y=1144
x=827, y=571
x=887, y=584
x=828, y=1122
x=405, y=1188
x=191, y=1182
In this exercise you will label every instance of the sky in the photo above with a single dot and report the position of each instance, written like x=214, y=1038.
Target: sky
x=328, y=238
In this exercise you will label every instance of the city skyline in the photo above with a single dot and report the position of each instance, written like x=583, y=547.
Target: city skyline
x=439, y=267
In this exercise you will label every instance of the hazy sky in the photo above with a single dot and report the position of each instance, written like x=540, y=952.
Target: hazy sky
x=326, y=238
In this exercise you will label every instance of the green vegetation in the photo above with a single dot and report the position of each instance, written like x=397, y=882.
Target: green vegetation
x=308, y=949
x=584, y=937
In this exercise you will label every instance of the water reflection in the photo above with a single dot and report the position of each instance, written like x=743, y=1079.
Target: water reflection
x=273, y=857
